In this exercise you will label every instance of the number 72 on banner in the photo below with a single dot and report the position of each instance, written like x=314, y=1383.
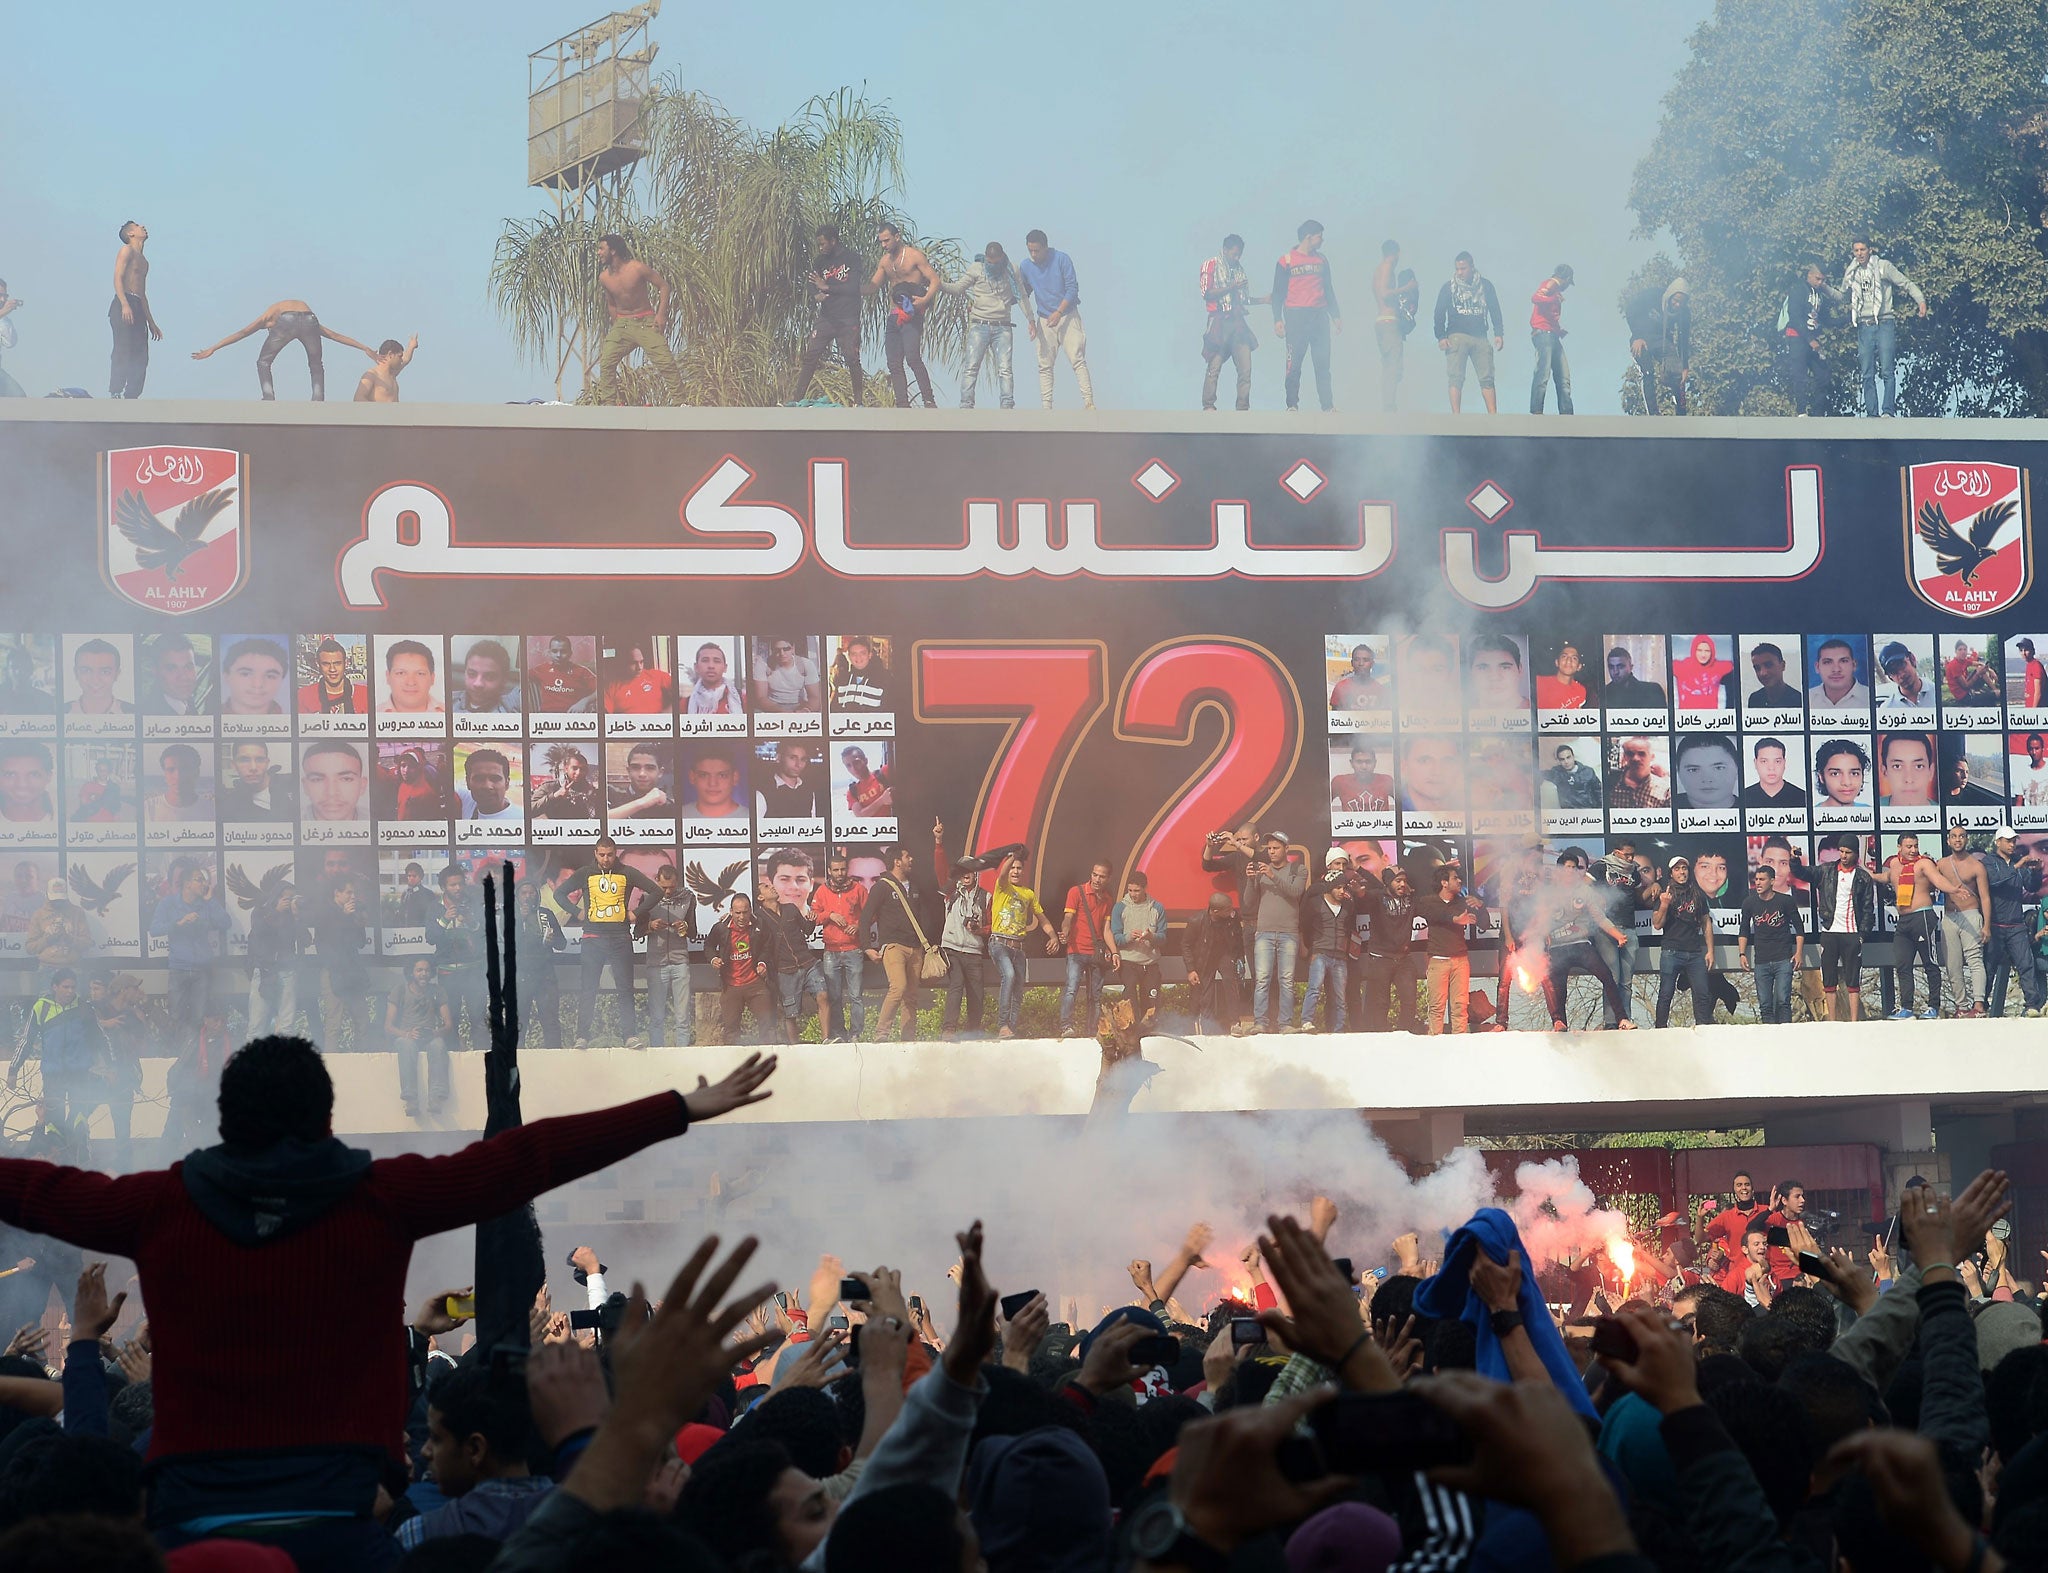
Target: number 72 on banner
x=1049, y=696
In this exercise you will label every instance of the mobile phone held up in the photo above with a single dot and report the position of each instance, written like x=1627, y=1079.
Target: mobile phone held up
x=1246, y=1330
x=852, y=1289
x=1013, y=1303
x=1812, y=1265
x=1370, y=1433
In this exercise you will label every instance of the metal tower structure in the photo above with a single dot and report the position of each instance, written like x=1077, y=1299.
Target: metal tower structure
x=585, y=94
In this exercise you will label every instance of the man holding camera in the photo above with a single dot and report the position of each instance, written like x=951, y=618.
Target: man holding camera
x=1271, y=890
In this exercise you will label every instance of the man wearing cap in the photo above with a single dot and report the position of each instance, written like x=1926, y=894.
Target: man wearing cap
x=1911, y=693
x=2013, y=880
x=1326, y=935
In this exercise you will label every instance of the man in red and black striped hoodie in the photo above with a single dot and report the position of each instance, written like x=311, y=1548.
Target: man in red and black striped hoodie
x=1305, y=311
x=273, y=1268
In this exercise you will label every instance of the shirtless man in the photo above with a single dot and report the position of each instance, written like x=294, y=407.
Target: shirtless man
x=1914, y=879
x=129, y=315
x=281, y=322
x=1962, y=925
x=910, y=283
x=637, y=298
x=380, y=382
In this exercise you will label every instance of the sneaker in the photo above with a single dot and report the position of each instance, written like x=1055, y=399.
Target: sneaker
x=1930, y=1015
x=1005, y=1035
x=2031, y=1010
x=1901, y=1014
x=582, y=1043
x=636, y=1042
x=1626, y=1026
x=412, y=1111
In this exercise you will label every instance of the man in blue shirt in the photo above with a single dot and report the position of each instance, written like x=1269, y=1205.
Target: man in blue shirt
x=1053, y=315
x=192, y=922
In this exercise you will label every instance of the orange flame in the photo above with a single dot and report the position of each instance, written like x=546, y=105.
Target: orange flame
x=1623, y=1254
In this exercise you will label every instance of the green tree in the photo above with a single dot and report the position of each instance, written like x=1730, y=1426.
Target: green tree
x=726, y=213
x=1794, y=127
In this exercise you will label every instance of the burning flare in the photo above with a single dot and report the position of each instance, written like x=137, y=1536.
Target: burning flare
x=1623, y=1254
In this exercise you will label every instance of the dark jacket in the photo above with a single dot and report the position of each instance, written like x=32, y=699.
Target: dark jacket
x=458, y=941
x=1325, y=932
x=1392, y=929
x=1825, y=881
x=1447, y=936
x=1666, y=333
x=1448, y=321
x=885, y=912
x=2011, y=884
x=275, y=938
x=1213, y=944
x=844, y=273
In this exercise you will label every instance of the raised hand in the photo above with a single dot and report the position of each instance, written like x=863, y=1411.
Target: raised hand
x=1227, y=1479
x=1904, y=1472
x=1025, y=1331
x=91, y=1312
x=1498, y=1284
x=1664, y=1370
x=974, y=1335
x=433, y=1316
x=822, y=1360
x=1984, y=1201
x=1401, y=1347
x=565, y=1389
x=736, y=1091
x=1322, y=1217
x=1325, y=1324
x=1108, y=1364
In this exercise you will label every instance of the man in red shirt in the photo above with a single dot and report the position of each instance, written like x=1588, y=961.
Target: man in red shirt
x=1305, y=311
x=870, y=793
x=1090, y=947
x=1546, y=333
x=2036, y=675
x=734, y=948
x=560, y=683
x=639, y=689
x=1726, y=1227
x=285, y=1429
x=838, y=905
x=1788, y=1212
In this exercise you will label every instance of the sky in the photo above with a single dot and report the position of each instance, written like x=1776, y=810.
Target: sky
x=364, y=160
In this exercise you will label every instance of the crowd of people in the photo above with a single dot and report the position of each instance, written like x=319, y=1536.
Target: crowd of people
x=1042, y=289
x=1357, y=944
x=1720, y=1391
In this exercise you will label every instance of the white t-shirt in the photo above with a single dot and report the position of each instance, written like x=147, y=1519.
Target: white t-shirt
x=510, y=812
x=1845, y=892
x=786, y=684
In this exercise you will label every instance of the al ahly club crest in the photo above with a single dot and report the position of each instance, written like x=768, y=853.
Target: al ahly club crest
x=174, y=526
x=1969, y=536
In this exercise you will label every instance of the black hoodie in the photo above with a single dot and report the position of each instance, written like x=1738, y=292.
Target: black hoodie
x=254, y=1195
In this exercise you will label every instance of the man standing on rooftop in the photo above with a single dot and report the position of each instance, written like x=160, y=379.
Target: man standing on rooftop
x=1053, y=315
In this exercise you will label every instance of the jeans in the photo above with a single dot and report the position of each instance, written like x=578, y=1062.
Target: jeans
x=1378, y=974
x=185, y=1003
x=1774, y=989
x=793, y=988
x=965, y=990
x=2011, y=953
x=755, y=997
x=131, y=348
x=1802, y=373
x=1621, y=960
x=1239, y=354
x=1550, y=365
x=1008, y=955
x=1450, y=993
x=304, y=327
x=669, y=1002
x=1308, y=333
x=1392, y=347
x=1962, y=936
x=1273, y=963
x=1083, y=970
x=600, y=951
x=540, y=995
x=1662, y=368
x=436, y=1051
x=846, y=335
x=273, y=999
x=345, y=997
x=1877, y=348
x=842, y=992
x=466, y=985
x=1325, y=973
x=1141, y=986
x=1691, y=965
x=1563, y=961
x=1918, y=939
x=999, y=339
x=904, y=342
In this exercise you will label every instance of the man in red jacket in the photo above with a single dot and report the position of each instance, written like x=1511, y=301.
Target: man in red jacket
x=280, y=1431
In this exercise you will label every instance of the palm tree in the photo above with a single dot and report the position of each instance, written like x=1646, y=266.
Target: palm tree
x=726, y=214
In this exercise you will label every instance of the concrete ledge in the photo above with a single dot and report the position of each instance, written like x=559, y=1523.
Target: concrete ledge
x=1497, y=1083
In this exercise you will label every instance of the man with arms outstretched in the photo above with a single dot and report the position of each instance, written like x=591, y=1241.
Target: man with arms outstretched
x=281, y=322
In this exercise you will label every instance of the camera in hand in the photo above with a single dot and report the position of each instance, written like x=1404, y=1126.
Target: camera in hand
x=1370, y=1433
x=1245, y=1331
x=853, y=1289
x=1158, y=1349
